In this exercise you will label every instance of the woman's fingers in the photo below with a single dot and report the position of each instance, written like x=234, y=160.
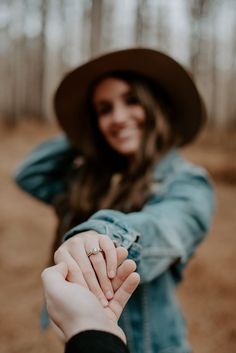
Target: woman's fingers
x=109, y=250
x=79, y=254
x=98, y=262
x=125, y=269
x=123, y=294
x=74, y=253
x=99, y=266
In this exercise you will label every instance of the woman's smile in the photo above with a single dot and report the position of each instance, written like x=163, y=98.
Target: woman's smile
x=126, y=133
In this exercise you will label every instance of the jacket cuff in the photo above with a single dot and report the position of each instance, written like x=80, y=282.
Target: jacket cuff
x=120, y=234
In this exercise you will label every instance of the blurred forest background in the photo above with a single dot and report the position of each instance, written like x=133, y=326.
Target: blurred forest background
x=42, y=39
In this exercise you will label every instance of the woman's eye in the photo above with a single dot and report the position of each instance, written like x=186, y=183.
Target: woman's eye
x=132, y=99
x=103, y=110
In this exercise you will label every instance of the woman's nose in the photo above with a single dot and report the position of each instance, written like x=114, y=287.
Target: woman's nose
x=120, y=114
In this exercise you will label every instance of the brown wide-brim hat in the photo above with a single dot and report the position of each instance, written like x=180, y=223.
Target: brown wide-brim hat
x=187, y=106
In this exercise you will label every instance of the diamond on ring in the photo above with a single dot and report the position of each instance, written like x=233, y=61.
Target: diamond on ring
x=94, y=251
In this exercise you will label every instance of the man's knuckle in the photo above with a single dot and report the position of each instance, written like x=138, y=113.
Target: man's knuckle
x=58, y=254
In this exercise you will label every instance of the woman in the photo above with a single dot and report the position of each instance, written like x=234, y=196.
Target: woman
x=124, y=183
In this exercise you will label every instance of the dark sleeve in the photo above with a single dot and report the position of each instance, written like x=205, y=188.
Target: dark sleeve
x=93, y=341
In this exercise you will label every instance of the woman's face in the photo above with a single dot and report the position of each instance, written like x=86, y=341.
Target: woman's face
x=120, y=116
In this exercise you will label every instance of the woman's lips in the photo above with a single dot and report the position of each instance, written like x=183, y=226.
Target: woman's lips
x=126, y=133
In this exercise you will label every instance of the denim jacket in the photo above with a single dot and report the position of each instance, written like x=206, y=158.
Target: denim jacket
x=160, y=238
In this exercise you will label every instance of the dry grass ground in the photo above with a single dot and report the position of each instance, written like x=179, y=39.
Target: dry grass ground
x=208, y=293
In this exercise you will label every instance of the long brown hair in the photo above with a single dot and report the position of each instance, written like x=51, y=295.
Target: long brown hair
x=106, y=179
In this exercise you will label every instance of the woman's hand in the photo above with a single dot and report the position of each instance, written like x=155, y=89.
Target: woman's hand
x=95, y=271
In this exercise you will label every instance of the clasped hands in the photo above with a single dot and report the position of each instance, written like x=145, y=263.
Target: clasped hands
x=94, y=272
x=73, y=287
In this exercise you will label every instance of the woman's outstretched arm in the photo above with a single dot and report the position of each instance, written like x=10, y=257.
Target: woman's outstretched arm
x=168, y=228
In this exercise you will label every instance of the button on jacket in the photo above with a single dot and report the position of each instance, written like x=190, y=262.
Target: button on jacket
x=160, y=238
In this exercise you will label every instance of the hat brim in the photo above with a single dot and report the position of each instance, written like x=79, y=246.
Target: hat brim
x=189, y=110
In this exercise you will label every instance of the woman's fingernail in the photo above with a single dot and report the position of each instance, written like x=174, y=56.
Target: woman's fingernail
x=104, y=302
x=109, y=294
x=112, y=274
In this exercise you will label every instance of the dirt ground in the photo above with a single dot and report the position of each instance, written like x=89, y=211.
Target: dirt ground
x=208, y=293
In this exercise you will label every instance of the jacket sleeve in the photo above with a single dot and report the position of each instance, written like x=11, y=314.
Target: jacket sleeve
x=168, y=228
x=43, y=173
